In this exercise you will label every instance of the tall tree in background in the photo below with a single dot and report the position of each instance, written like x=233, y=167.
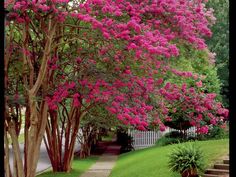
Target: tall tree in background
x=219, y=43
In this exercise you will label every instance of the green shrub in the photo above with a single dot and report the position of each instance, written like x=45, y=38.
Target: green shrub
x=163, y=141
x=127, y=144
x=125, y=140
x=187, y=159
x=192, y=138
x=174, y=134
x=217, y=133
x=172, y=137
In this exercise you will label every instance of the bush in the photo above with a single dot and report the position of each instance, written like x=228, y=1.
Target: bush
x=163, y=141
x=174, y=134
x=187, y=159
x=127, y=144
x=173, y=137
x=217, y=132
x=192, y=138
x=125, y=140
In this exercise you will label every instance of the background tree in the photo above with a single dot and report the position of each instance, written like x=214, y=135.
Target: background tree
x=180, y=109
x=199, y=63
x=219, y=43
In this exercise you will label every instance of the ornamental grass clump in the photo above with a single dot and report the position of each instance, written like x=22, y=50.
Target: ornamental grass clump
x=187, y=159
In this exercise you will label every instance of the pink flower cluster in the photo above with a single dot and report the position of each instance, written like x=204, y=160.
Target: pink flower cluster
x=203, y=129
x=199, y=107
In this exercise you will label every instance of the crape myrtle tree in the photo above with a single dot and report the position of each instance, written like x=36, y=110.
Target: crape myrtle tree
x=77, y=54
x=198, y=62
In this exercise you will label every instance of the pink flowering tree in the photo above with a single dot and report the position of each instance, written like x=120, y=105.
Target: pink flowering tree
x=191, y=107
x=77, y=54
x=199, y=74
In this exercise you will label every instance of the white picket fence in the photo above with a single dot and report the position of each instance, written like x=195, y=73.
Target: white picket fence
x=144, y=139
x=190, y=132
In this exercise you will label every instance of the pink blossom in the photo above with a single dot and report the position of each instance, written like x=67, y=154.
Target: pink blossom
x=64, y=94
x=78, y=60
x=127, y=71
x=76, y=102
x=17, y=6
x=131, y=46
x=203, y=130
x=192, y=123
x=160, y=81
x=142, y=128
x=44, y=7
x=199, y=117
x=162, y=127
x=112, y=110
x=119, y=98
x=213, y=121
x=199, y=84
x=143, y=123
x=106, y=35
x=168, y=119
x=192, y=90
x=54, y=67
x=148, y=108
x=71, y=85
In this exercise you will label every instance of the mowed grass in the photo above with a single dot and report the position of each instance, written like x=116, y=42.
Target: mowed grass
x=79, y=166
x=153, y=162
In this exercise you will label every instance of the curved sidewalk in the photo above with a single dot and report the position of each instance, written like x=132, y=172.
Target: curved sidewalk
x=104, y=165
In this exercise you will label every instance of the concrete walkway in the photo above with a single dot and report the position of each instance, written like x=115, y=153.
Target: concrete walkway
x=104, y=165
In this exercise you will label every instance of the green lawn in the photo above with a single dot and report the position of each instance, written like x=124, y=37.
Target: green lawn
x=152, y=162
x=78, y=167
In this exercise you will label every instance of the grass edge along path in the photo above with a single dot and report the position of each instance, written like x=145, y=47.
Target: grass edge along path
x=79, y=166
x=153, y=162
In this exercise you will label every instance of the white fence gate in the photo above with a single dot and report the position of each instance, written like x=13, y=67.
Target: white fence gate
x=144, y=139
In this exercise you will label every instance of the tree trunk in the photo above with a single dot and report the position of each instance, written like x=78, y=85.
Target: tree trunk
x=35, y=136
x=38, y=118
x=89, y=137
x=6, y=155
x=16, y=150
x=61, y=159
x=85, y=149
x=26, y=130
x=70, y=145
